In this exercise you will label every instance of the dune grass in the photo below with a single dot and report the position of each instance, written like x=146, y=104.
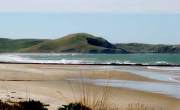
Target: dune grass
x=90, y=99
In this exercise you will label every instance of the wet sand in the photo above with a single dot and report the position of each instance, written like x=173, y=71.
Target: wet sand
x=49, y=84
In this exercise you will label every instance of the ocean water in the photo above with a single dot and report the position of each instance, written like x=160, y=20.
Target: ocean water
x=144, y=59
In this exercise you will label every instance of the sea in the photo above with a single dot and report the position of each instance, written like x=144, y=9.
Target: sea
x=107, y=59
x=162, y=67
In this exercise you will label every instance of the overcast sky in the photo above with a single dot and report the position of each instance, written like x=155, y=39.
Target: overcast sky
x=114, y=6
x=147, y=21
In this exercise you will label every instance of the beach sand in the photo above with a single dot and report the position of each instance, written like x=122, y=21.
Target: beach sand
x=49, y=84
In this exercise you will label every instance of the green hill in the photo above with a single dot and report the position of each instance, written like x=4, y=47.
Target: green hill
x=76, y=43
x=9, y=45
x=81, y=43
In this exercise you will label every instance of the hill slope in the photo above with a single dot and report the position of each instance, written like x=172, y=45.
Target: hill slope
x=9, y=45
x=76, y=43
x=81, y=43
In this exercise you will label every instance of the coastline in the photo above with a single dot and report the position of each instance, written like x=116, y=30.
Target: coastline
x=97, y=64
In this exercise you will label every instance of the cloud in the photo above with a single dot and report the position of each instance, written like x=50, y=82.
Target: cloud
x=91, y=6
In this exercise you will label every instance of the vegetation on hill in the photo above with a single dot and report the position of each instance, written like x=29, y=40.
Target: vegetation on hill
x=9, y=45
x=81, y=43
x=76, y=43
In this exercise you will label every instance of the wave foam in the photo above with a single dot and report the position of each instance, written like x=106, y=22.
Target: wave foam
x=20, y=59
x=76, y=59
x=164, y=68
x=24, y=58
x=161, y=62
x=12, y=58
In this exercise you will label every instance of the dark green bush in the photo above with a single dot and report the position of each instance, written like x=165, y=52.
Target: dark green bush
x=23, y=105
x=74, y=106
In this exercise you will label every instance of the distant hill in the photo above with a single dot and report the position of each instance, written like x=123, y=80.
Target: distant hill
x=81, y=43
x=76, y=43
x=149, y=48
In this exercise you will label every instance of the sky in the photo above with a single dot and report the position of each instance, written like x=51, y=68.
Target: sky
x=124, y=21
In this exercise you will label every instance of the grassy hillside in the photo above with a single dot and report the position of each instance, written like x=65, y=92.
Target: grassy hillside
x=9, y=45
x=76, y=43
x=81, y=43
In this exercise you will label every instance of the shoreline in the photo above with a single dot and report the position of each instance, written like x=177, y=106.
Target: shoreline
x=113, y=64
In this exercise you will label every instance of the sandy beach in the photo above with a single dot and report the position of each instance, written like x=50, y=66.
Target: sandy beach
x=51, y=84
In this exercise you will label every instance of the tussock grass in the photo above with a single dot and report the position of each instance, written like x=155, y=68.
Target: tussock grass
x=74, y=106
x=96, y=98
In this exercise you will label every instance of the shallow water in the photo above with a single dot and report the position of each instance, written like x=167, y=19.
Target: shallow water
x=170, y=89
x=162, y=75
x=169, y=86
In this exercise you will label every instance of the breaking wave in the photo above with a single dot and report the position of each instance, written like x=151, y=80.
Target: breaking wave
x=24, y=58
x=164, y=68
x=21, y=59
x=107, y=59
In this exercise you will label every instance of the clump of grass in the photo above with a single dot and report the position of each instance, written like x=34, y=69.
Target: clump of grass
x=88, y=97
x=22, y=105
x=96, y=98
x=74, y=106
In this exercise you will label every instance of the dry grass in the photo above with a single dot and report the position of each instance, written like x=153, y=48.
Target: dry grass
x=88, y=96
x=96, y=98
